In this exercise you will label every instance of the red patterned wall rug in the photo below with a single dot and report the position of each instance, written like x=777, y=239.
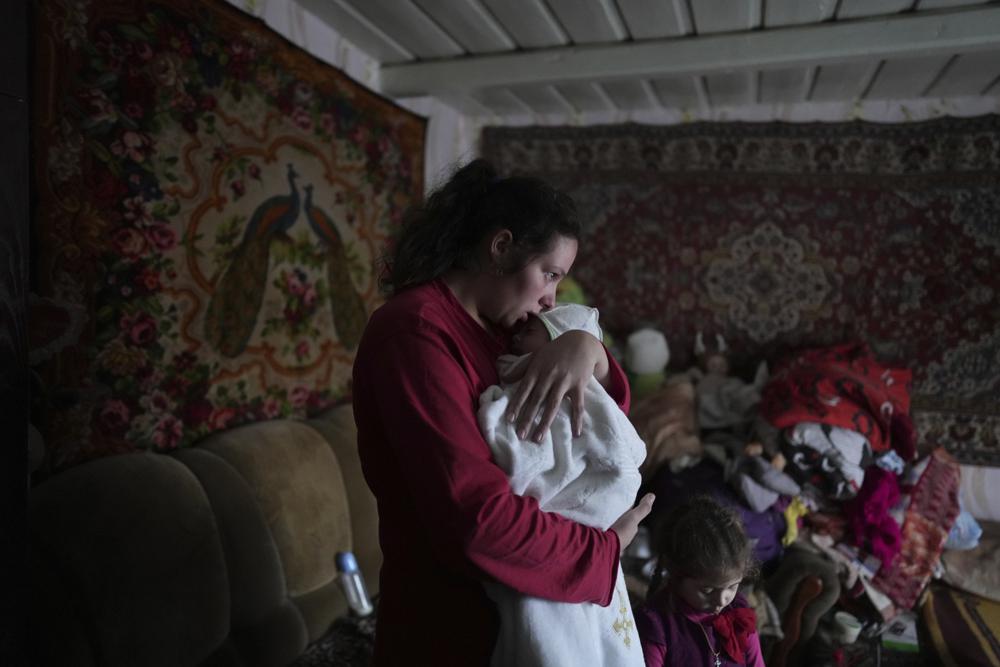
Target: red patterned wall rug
x=780, y=236
x=211, y=201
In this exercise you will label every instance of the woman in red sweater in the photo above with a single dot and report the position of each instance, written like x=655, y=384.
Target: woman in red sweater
x=479, y=257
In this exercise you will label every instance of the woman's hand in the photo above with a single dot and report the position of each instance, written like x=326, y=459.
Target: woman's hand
x=627, y=524
x=561, y=368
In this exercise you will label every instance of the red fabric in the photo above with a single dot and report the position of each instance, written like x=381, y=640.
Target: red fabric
x=448, y=519
x=930, y=515
x=873, y=527
x=734, y=626
x=903, y=436
x=843, y=386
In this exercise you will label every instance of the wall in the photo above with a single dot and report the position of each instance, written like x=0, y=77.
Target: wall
x=452, y=138
x=212, y=202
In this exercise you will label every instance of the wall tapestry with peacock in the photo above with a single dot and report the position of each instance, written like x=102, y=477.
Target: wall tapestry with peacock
x=211, y=205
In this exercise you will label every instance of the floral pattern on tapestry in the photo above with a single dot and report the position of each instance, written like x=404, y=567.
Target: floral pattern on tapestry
x=215, y=200
x=781, y=236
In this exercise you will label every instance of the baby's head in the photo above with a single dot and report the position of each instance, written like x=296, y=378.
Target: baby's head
x=705, y=548
x=531, y=336
x=548, y=324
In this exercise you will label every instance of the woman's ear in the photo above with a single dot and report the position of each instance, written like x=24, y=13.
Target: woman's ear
x=500, y=245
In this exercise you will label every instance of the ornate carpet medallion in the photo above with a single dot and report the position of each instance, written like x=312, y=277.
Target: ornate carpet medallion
x=781, y=236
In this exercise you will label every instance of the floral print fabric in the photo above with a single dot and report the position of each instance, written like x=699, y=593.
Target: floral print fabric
x=212, y=203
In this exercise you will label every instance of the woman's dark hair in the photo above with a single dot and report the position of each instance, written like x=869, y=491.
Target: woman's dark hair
x=701, y=538
x=445, y=231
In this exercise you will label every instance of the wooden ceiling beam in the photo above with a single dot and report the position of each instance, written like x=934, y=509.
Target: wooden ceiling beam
x=920, y=33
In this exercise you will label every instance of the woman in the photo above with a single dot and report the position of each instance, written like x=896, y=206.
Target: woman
x=475, y=261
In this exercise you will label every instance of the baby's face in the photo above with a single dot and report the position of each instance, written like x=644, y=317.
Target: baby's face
x=530, y=337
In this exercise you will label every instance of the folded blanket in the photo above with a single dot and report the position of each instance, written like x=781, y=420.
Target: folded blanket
x=929, y=516
x=843, y=386
x=831, y=458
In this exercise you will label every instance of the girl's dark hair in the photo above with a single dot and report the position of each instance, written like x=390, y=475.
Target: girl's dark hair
x=703, y=538
x=445, y=231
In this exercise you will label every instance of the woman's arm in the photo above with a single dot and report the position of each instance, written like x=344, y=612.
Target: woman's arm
x=561, y=369
x=418, y=400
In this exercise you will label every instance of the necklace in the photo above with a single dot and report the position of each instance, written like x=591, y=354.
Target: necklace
x=718, y=663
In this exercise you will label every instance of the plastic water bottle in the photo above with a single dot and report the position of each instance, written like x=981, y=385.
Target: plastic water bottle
x=353, y=584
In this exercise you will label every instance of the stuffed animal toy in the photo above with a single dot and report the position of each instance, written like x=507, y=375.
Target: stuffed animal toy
x=665, y=420
x=646, y=357
x=663, y=409
x=724, y=401
x=728, y=406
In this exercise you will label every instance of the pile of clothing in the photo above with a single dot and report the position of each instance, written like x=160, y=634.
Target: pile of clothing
x=847, y=435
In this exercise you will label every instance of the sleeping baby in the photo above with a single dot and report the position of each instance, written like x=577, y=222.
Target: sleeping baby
x=592, y=479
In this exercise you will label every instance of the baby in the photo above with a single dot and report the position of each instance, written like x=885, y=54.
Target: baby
x=592, y=479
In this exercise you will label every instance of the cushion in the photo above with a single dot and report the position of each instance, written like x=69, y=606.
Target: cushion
x=964, y=629
x=263, y=622
x=129, y=544
x=297, y=482
x=338, y=429
x=975, y=492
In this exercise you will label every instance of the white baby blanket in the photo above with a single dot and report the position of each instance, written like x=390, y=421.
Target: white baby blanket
x=593, y=480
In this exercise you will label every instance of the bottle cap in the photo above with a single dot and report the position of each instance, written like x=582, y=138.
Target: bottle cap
x=346, y=562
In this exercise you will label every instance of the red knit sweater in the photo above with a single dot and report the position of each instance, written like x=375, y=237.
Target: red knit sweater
x=447, y=517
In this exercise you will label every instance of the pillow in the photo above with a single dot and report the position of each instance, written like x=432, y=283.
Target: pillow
x=976, y=570
x=964, y=629
x=975, y=494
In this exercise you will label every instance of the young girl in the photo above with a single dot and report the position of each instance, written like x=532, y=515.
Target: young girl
x=697, y=617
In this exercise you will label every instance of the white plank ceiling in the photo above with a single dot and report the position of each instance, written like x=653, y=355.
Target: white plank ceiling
x=497, y=58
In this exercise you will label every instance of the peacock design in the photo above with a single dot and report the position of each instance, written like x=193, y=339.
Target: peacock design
x=349, y=314
x=235, y=304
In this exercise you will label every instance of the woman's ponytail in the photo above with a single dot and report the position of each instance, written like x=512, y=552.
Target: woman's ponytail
x=444, y=232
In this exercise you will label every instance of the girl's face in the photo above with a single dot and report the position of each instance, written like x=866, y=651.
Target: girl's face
x=530, y=290
x=710, y=594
